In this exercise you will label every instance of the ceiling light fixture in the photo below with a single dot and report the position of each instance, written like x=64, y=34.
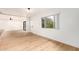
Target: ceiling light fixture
x=28, y=8
x=11, y=18
x=28, y=12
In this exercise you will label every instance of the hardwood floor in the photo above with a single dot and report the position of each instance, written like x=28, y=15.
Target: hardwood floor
x=20, y=41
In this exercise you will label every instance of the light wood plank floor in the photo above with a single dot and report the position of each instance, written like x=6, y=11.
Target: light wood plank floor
x=20, y=41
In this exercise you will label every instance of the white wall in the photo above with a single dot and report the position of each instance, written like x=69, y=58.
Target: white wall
x=68, y=31
x=8, y=25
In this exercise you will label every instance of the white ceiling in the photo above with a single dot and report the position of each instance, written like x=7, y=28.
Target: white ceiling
x=18, y=11
x=13, y=11
x=23, y=12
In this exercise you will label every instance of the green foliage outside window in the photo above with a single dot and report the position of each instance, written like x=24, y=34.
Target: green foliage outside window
x=48, y=23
